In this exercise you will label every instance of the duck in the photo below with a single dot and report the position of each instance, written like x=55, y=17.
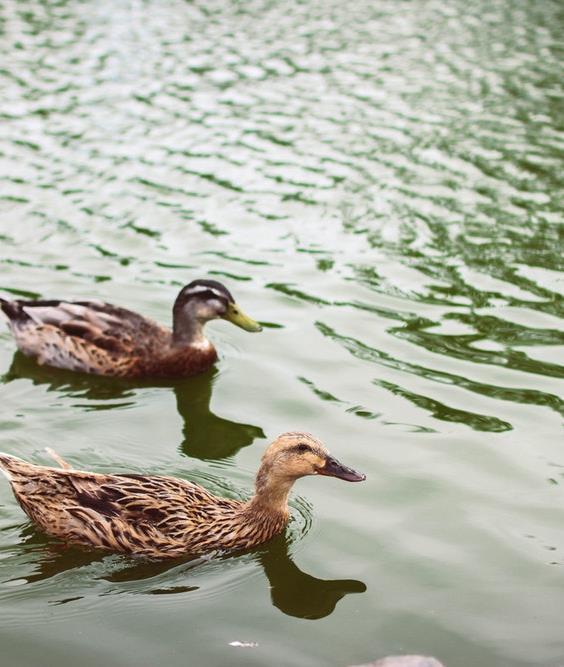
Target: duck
x=103, y=339
x=160, y=517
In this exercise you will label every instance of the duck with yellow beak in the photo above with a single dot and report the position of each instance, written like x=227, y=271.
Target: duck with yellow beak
x=99, y=338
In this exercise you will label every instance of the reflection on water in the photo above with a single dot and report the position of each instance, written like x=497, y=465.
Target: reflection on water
x=297, y=593
x=385, y=179
x=293, y=591
x=108, y=393
x=205, y=435
x=49, y=557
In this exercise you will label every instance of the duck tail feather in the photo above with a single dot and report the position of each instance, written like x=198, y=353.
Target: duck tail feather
x=13, y=310
x=8, y=461
x=59, y=459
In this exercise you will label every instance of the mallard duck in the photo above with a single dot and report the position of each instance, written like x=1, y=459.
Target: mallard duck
x=96, y=337
x=165, y=517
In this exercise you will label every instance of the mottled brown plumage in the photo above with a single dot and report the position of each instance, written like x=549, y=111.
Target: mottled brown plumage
x=165, y=517
x=99, y=338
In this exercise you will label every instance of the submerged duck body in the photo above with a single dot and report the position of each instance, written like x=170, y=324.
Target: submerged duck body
x=166, y=517
x=103, y=339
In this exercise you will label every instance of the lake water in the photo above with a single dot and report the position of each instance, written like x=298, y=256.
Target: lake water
x=379, y=182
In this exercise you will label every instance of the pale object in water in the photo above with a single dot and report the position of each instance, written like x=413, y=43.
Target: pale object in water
x=404, y=661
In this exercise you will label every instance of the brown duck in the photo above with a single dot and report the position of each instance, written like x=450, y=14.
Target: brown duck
x=166, y=517
x=96, y=337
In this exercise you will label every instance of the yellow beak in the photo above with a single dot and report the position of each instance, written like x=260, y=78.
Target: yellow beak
x=235, y=315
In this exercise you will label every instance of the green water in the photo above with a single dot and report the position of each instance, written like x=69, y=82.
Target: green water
x=379, y=183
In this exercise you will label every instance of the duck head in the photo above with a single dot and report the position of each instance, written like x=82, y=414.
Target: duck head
x=295, y=455
x=289, y=457
x=201, y=301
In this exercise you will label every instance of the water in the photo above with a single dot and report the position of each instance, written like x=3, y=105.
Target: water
x=379, y=183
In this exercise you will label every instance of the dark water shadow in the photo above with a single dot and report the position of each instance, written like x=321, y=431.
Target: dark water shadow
x=293, y=592
x=297, y=593
x=205, y=435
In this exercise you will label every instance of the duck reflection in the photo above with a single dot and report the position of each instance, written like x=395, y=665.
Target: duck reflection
x=297, y=593
x=292, y=591
x=204, y=434
x=93, y=388
x=207, y=436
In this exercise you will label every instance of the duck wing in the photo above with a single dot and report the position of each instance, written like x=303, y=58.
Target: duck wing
x=138, y=514
x=89, y=336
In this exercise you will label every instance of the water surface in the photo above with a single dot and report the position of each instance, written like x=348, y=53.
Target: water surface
x=380, y=184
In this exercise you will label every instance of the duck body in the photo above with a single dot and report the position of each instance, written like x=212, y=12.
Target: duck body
x=164, y=517
x=153, y=516
x=103, y=339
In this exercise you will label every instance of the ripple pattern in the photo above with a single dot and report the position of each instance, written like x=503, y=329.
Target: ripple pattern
x=380, y=183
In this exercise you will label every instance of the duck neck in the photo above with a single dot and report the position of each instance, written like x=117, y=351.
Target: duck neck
x=271, y=492
x=187, y=329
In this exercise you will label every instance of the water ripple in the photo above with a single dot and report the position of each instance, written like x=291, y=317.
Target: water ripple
x=382, y=183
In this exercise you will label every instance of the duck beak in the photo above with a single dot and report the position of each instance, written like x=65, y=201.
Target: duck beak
x=334, y=468
x=235, y=315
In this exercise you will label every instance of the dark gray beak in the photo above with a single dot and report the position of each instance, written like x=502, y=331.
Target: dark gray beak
x=333, y=468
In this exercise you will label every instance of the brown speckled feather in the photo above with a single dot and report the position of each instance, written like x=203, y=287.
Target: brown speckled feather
x=165, y=517
x=100, y=338
x=159, y=517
